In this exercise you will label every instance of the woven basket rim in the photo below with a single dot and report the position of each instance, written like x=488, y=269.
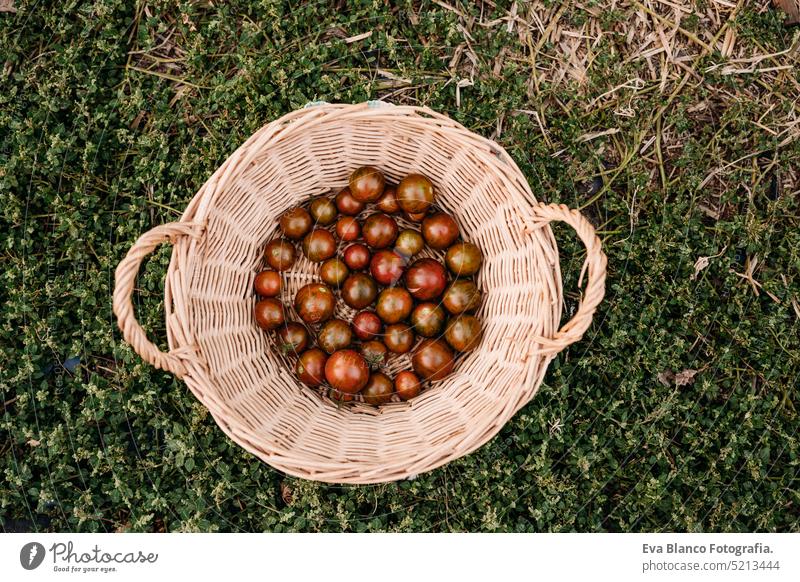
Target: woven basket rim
x=187, y=361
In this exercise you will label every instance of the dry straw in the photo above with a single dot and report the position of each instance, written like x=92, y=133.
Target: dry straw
x=231, y=366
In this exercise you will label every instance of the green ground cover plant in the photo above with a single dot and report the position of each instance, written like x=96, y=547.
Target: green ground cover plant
x=674, y=125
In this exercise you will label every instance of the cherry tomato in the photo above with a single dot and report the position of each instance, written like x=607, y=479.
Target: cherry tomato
x=463, y=333
x=356, y=256
x=407, y=385
x=295, y=223
x=374, y=353
x=323, y=211
x=269, y=313
x=367, y=184
x=426, y=279
x=440, y=230
x=314, y=303
x=387, y=267
x=380, y=230
x=280, y=254
x=463, y=259
x=334, y=272
x=394, y=304
x=388, y=201
x=334, y=335
x=348, y=229
x=428, y=319
x=346, y=371
x=319, y=245
x=292, y=338
x=359, y=290
x=399, y=338
x=367, y=325
x=415, y=194
x=461, y=296
x=433, y=359
x=310, y=367
x=409, y=243
x=379, y=389
x=268, y=283
x=347, y=204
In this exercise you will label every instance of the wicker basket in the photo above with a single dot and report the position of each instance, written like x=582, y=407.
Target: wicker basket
x=229, y=364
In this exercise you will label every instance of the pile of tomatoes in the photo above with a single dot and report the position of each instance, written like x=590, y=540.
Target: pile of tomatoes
x=403, y=299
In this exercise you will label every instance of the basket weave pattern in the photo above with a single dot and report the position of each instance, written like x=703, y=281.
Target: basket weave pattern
x=233, y=368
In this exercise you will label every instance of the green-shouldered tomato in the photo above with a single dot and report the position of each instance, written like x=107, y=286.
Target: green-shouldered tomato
x=433, y=359
x=359, y=290
x=314, y=303
x=296, y=223
x=280, y=254
x=415, y=194
x=379, y=389
x=367, y=184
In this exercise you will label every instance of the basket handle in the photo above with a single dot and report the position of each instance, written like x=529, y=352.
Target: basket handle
x=595, y=264
x=125, y=276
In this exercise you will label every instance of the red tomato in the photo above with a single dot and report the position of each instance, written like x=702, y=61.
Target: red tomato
x=463, y=295
x=280, y=254
x=380, y=230
x=333, y=272
x=415, y=194
x=348, y=229
x=463, y=259
x=428, y=319
x=292, y=338
x=388, y=202
x=346, y=371
x=356, y=256
x=367, y=325
x=409, y=242
x=314, y=303
x=394, y=304
x=347, y=204
x=296, y=223
x=387, y=267
x=433, y=359
x=426, y=279
x=319, y=245
x=359, y=290
x=379, y=389
x=269, y=313
x=374, y=353
x=367, y=184
x=463, y=333
x=399, y=338
x=310, y=367
x=323, y=211
x=334, y=334
x=268, y=283
x=415, y=216
x=407, y=385
x=440, y=230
